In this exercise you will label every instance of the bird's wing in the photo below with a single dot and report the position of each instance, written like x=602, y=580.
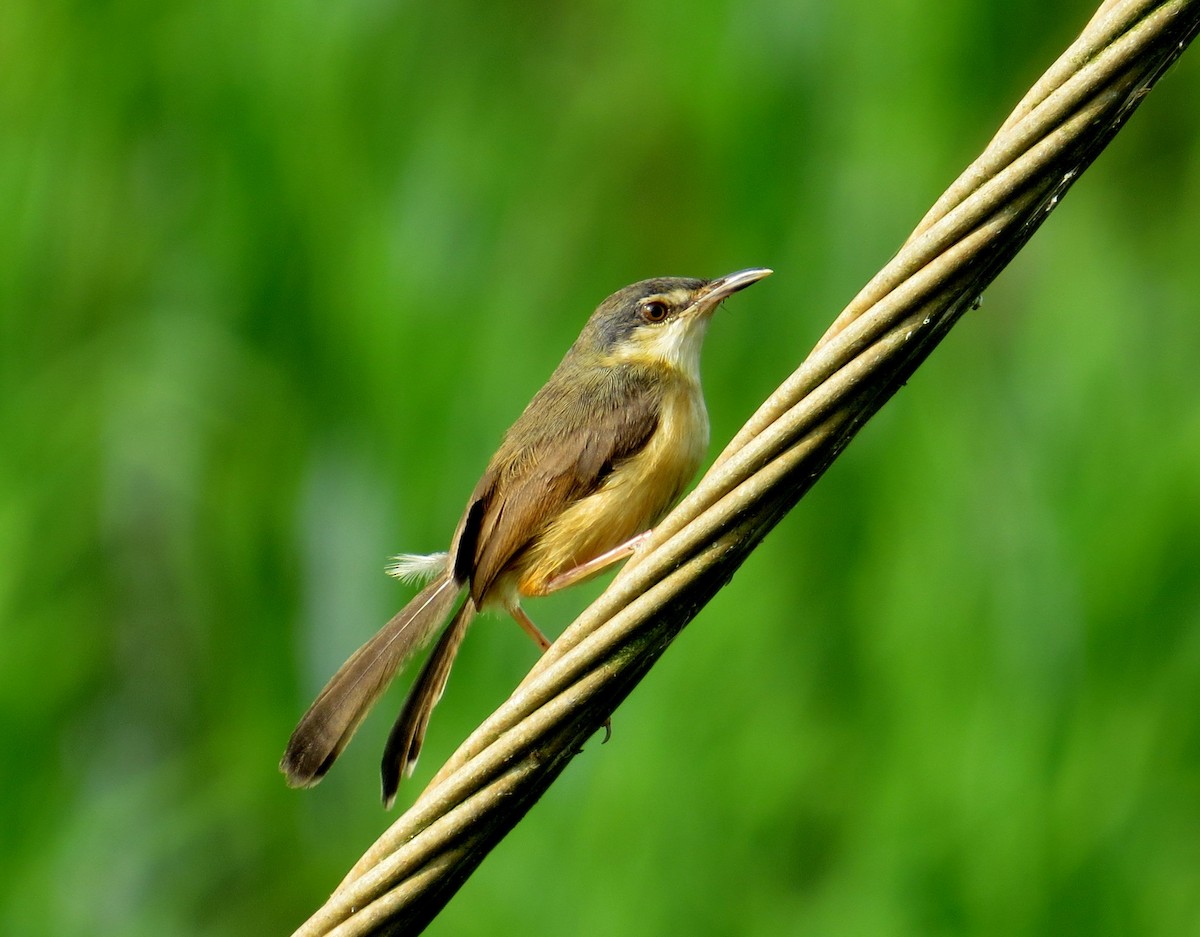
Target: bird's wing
x=547, y=462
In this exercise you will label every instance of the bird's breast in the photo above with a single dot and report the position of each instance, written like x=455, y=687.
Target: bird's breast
x=654, y=478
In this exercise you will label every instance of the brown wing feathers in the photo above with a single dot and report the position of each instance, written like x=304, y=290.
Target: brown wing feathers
x=537, y=473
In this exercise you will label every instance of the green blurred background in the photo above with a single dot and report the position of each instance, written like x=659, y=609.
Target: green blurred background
x=275, y=276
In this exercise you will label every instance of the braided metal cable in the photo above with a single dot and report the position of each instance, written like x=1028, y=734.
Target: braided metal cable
x=969, y=235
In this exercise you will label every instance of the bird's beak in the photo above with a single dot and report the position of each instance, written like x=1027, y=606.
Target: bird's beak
x=709, y=296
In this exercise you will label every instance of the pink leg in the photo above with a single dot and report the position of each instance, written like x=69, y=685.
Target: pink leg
x=528, y=626
x=543, y=642
x=594, y=565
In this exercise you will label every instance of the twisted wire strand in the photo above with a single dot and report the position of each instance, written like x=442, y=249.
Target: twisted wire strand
x=882, y=336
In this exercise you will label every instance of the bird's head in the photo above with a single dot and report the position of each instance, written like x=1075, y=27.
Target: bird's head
x=661, y=321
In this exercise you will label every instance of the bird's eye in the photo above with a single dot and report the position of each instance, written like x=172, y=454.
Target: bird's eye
x=654, y=311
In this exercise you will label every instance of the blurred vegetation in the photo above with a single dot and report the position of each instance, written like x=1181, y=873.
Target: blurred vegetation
x=277, y=275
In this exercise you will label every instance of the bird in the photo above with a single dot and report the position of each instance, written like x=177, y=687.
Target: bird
x=596, y=459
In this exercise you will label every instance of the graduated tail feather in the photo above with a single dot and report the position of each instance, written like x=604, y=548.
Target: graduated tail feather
x=408, y=734
x=335, y=714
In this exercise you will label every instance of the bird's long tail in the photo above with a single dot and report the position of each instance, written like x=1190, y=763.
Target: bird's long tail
x=408, y=734
x=335, y=714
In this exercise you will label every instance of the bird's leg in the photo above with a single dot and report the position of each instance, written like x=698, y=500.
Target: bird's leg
x=583, y=570
x=569, y=578
x=528, y=626
x=543, y=642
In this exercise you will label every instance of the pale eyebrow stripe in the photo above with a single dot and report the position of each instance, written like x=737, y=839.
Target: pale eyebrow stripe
x=677, y=297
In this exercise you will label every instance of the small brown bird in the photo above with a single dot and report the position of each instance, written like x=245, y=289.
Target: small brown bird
x=601, y=453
